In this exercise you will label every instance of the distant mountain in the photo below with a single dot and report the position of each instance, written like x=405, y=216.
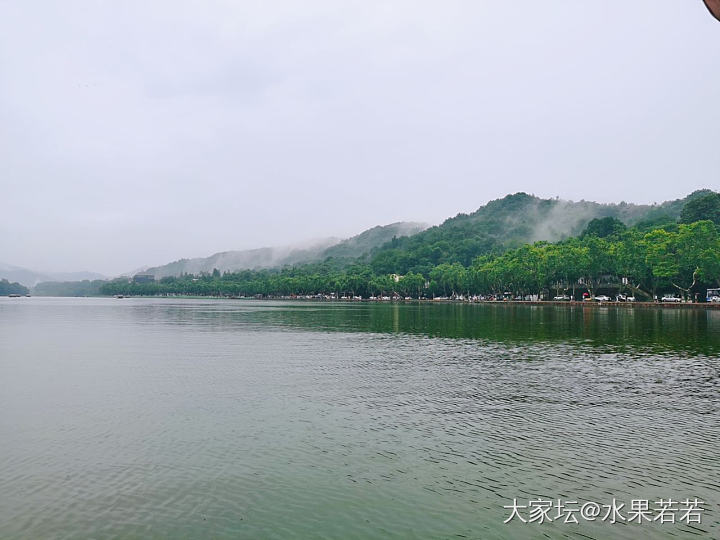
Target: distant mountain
x=249, y=259
x=131, y=273
x=269, y=257
x=30, y=278
x=506, y=223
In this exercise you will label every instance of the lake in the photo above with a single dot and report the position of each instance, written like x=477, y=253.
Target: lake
x=170, y=418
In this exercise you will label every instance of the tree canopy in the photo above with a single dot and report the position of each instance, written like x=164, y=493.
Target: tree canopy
x=12, y=288
x=604, y=227
x=681, y=260
x=705, y=207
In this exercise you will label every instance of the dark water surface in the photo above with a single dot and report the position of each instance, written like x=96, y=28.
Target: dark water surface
x=142, y=418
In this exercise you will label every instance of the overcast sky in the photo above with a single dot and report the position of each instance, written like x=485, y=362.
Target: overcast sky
x=136, y=133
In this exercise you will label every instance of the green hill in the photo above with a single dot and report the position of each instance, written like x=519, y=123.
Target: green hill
x=270, y=257
x=507, y=223
x=12, y=288
x=366, y=241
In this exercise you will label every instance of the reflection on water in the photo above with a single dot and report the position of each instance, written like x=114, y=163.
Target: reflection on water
x=674, y=331
x=231, y=419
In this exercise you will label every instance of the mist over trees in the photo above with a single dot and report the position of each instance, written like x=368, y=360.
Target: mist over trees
x=644, y=251
x=268, y=257
x=682, y=259
x=508, y=223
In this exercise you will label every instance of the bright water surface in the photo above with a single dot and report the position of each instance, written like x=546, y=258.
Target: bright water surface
x=148, y=418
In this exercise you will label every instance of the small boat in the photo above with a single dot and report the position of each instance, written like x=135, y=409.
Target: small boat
x=14, y=295
x=119, y=296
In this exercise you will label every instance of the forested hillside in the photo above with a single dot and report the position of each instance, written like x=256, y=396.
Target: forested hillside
x=508, y=223
x=521, y=244
x=11, y=288
x=365, y=242
x=228, y=261
x=677, y=256
x=69, y=288
x=350, y=248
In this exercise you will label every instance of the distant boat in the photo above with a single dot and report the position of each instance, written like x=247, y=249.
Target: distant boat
x=14, y=295
x=119, y=296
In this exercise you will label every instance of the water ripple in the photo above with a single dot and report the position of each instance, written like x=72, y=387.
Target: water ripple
x=239, y=420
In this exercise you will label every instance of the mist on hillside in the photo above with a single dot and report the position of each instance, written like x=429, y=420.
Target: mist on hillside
x=567, y=218
x=298, y=253
x=266, y=257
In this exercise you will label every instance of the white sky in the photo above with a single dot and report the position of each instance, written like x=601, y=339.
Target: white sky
x=135, y=133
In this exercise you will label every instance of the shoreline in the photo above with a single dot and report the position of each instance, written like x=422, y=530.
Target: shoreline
x=570, y=303
x=686, y=305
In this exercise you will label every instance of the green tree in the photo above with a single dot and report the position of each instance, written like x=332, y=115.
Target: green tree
x=705, y=207
x=604, y=227
x=697, y=255
x=12, y=288
x=660, y=256
x=412, y=284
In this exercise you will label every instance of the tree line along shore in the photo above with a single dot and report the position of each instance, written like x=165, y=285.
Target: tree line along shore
x=682, y=260
x=645, y=253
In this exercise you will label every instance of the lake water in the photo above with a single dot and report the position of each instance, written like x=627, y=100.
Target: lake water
x=150, y=418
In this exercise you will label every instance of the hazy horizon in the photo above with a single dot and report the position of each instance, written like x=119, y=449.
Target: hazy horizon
x=134, y=135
